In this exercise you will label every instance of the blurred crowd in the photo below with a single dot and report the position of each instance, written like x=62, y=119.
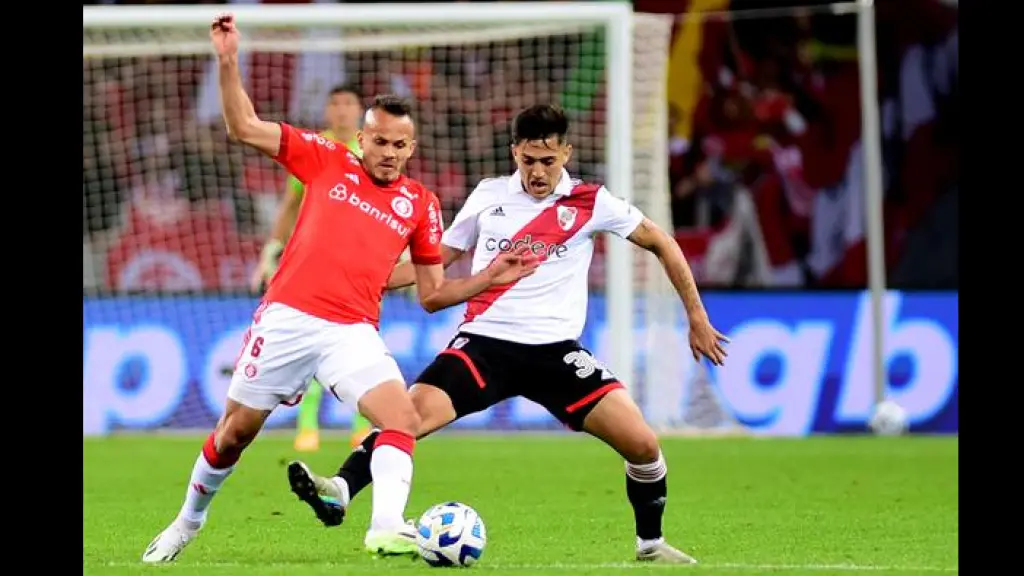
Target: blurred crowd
x=778, y=119
x=763, y=146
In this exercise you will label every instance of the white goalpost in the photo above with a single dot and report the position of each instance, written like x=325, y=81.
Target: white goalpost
x=871, y=136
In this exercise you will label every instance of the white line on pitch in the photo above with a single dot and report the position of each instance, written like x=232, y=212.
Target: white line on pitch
x=725, y=566
x=572, y=567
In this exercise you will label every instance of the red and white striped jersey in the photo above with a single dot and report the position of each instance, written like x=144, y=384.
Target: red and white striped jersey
x=550, y=305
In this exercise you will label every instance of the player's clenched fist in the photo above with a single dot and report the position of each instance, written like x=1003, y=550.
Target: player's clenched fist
x=224, y=35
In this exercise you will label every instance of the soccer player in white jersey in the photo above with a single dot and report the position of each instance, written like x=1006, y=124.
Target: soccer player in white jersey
x=520, y=339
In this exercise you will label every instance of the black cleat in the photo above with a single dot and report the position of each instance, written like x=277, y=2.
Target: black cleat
x=330, y=512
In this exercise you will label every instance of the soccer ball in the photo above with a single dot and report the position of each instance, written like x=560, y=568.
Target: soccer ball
x=889, y=419
x=451, y=534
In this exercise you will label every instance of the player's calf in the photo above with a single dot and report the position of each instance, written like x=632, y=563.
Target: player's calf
x=435, y=410
x=236, y=429
x=617, y=421
x=389, y=407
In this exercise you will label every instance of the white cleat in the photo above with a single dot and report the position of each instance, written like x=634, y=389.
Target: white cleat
x=398, y=542
x=662, y=553
x=169, y=543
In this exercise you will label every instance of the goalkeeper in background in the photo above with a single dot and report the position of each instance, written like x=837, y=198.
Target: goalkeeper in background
x=342, y=114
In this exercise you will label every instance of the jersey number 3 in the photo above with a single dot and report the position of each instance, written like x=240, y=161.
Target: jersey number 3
x=585, y=364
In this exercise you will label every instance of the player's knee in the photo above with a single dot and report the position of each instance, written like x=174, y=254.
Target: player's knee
x=406, y=420
x=388, y=406
x=642, y=448
x=433, y=406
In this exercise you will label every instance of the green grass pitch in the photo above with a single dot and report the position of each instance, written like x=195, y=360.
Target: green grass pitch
x=552, y=505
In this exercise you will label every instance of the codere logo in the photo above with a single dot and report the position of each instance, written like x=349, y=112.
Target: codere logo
x=538, y=247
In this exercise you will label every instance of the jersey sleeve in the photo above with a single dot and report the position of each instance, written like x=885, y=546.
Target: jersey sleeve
x=425, y=245
x=615, y=215
x=302, y=153
x=462, y=234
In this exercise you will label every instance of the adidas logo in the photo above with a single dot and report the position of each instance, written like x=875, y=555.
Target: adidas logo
x=497, y=212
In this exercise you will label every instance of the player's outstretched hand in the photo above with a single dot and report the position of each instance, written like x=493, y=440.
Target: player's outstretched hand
x=706, y=341
x=224, y=35
x=509, y=267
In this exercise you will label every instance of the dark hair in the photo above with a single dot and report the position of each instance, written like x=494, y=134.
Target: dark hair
x=539, y=122
x=392, y=104
x=346, y=89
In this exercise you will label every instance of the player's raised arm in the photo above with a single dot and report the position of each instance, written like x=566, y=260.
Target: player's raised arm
x=239, y=115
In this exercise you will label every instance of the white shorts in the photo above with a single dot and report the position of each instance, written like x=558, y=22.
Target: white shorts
x=285, y=348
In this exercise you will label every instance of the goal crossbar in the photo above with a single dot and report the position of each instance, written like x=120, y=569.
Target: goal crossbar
x=314, y=15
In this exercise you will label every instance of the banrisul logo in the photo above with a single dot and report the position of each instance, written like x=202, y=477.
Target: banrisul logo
x=340, y=193
x=319, y=140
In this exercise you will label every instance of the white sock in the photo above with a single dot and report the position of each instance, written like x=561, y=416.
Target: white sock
x=648, y=473
x=342, y=487
x=391, y=469
x=202, y=487
x=645, y=544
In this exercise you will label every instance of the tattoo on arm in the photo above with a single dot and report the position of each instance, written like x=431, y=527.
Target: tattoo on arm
x=644, y=235
x=653, y=239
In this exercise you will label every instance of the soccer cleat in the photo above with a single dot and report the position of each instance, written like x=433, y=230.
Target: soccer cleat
x=662, y=553
x=307, y=441
x=169, y=543
x=398, y=542
x=319, y=493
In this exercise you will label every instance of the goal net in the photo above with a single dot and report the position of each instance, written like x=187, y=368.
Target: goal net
x=174, y=216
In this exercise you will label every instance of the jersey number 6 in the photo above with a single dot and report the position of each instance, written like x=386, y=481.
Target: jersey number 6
x=257, y=347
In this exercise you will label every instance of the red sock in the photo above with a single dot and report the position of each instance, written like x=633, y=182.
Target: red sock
x=404, y=442
x=208, y=474
x=216, y=459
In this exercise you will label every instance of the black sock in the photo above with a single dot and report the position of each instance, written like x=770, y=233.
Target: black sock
x=355, y=471
x=646, y=489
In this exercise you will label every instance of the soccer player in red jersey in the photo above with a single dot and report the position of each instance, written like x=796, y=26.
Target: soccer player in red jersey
x=521, y=338
x=320, y=313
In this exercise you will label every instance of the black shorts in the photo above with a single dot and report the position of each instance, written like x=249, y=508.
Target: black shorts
x=477, y=372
